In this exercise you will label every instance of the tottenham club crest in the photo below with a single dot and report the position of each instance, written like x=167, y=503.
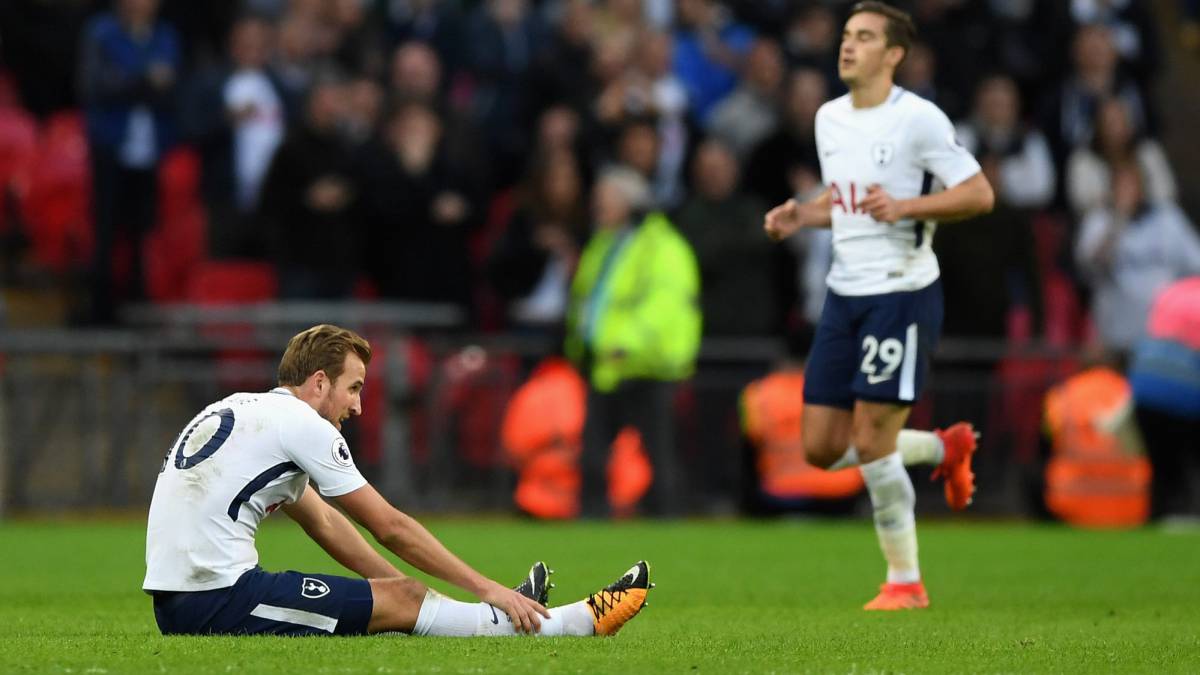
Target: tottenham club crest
x=313, y=588
x=882, y=153
x=341, y=453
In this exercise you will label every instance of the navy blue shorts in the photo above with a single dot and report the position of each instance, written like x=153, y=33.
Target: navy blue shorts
x=265, y=603
x=873, y=347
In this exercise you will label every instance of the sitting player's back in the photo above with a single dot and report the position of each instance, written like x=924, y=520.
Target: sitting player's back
x=236, y=462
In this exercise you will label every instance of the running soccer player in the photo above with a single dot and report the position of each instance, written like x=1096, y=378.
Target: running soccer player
x=249, y=454
x=883, y=150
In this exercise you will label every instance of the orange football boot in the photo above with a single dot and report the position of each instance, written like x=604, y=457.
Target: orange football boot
x=959, y=441
x=899, y=596
x=614, y=605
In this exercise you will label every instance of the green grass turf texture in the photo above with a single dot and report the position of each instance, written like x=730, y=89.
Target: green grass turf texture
x=732, y=597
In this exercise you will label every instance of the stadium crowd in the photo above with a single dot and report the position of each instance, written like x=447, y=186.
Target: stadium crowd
x=446, y=151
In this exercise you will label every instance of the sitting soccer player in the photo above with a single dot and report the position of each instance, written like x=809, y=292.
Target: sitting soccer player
x=251, y=453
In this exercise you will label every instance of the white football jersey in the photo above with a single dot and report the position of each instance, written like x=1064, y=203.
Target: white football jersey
x=905, y=145
x=235, y=463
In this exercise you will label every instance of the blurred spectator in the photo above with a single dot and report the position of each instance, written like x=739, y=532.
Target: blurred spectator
x=1129, y=250
x=1017, y=42
x=295, y=58
x=738, y=297
x=989, y=268
x=41, y=51
x=811, y=40
x=994, y=133
x=619, y=20
x=417, y=75
x=1115, y=142
x=437, y=23
x=254, y=106
x=1134, y=34
x=751, y=112
x=235, y=116
x=785, y=163
x=764, y=16
x=533, y=262
x=422, y=208
x=311, y=201
x=129, y=68
x=641, y=107
x=724, y=227
x=364, y=108
x=357, y=45
x=502, y=36
x=709, y=48
x=633, y=330
x=639, y=147
x=563, y=72
x=918, y=74
x=1165, y=374
x=558, y=128
x=1070, y=112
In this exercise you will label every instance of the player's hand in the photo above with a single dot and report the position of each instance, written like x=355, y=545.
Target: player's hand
x=783, y=220
x=881, y=206
x=525, y=614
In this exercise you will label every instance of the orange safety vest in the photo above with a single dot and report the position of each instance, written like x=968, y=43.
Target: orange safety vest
x=771, y=416
x=1091, y=481
x=542, y=433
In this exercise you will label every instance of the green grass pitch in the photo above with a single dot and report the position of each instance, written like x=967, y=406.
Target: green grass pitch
x=731, y=597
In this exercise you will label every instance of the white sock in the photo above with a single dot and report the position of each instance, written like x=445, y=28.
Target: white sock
x=914, y=447
x=893, y=499
x=443, y=616
x=920, y=447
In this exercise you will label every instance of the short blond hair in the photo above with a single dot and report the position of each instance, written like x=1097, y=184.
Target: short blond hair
x=322, y=347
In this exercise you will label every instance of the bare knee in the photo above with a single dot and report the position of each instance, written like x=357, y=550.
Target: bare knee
x=875, y=429
x=396, y=603
x=826, y=436
x=821, y=451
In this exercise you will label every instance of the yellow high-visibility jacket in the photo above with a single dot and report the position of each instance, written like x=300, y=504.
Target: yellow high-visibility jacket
x=635, y=309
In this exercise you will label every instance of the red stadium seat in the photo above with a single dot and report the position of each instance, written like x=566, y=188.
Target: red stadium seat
x=56, y=206
x=177, y=245
x=232, y=283
x=224, y=283
x=18, y=147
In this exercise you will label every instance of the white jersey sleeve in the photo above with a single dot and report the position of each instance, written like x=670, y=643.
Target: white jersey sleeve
x=936, y=148
x=321, y=452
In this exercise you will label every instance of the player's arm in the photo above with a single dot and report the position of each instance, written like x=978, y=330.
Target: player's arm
x=340, y=539
x=414, y=544
x=783, y=220
x=972, y=197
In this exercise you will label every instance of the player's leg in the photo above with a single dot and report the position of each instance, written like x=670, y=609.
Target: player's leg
x=601, y=613
x=897, y=337
x=893, y=500
x=828, y=374
x=826, y=434
x=265, y=603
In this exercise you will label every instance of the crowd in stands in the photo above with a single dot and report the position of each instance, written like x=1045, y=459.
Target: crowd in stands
x=457, y=151
x=445, y=151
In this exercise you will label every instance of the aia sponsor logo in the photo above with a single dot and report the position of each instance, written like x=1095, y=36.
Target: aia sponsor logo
x=847, y=199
